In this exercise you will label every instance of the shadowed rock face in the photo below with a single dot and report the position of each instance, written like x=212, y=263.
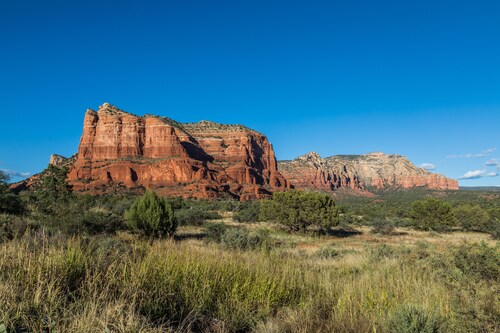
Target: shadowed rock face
x=374, y=170
x=201, y=160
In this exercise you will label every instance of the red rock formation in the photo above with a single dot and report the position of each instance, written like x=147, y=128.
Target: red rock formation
x=375, y=170
x=313, y=172
x=202, y=159
x=206, y=159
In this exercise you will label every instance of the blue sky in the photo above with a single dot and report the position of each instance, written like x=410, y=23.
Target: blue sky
x=417, y=78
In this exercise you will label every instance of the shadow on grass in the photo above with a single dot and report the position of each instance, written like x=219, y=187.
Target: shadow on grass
x=343, y=232
x=190, y=235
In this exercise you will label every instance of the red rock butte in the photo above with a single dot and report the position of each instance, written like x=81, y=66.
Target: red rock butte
x=201, y=160
x=119, y=150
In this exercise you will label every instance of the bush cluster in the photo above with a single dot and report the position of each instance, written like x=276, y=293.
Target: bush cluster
x=195, y=215
x=298, y=210
x=248, y=211
x=237, y=238
x=432, y=214
x=10, y=203
x=413, y=319
x=100, y=221
x=12, y=226
x=383, y=226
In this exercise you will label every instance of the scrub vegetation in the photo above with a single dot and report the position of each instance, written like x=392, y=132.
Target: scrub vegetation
x=297, y=262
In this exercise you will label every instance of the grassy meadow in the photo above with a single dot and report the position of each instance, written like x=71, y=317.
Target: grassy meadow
x=349, y=281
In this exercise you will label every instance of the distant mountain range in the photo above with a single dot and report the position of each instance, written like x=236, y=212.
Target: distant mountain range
x=480, y=188
x=361, y=172
x=119, y=150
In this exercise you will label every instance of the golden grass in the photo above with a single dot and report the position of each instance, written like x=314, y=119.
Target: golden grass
x=124, y=284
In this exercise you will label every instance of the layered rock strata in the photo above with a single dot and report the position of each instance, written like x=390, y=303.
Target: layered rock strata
x=201, y=160
x=370, y=171
x=311, y=171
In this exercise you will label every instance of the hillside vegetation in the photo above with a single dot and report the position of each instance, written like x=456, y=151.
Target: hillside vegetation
x=298, y=262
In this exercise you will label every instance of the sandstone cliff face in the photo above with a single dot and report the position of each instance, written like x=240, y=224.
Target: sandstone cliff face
x=313, y=172
x=375, y=170
x=202, y=159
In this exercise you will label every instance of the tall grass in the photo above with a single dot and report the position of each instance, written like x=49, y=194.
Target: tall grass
x=122, y=284
x=46, y=282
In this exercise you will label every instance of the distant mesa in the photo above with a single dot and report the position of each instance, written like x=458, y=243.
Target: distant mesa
x=122, y=151
x=361, y=172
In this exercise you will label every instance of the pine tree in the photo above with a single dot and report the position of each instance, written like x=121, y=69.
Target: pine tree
x=152, y=216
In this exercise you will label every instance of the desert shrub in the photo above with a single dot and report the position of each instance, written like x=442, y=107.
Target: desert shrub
x=52, y=191
x=241, y=239
x=215, y=231
x=471, y=217
x=431, y=214
x=478, y=260
x=152, y=216
x=107, y=246
x=210, y=205
x=381, y=252
x=413, y=319
x=297, y=210
x=176, y=202
x=348, y=219
x=248, y=212
x=383, y=226
x=10, y=203
x=494, y=229
x=195, y=215
x=494, y=214
x=224, y=205
x=98, y=220
x=117, y=204
x=12, y=226
x=493, y=225
x=328, y=253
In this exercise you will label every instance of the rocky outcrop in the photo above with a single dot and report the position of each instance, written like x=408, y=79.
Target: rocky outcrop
x=119, y=150
x=313, y=172
x=370, y=171
x=37, y=179
x=57, y=160
x=201, y=160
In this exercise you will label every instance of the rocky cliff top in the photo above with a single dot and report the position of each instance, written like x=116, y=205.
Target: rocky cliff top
x=191, y=127
x=210, y=126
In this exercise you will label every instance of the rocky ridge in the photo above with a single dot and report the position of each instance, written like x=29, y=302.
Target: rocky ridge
x=122, y=151
x=311, y=171
x=358, y=172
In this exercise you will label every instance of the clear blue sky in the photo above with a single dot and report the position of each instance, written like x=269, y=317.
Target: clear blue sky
x=417, y=78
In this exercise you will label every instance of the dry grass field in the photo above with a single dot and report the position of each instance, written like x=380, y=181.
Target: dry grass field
x=349, y=281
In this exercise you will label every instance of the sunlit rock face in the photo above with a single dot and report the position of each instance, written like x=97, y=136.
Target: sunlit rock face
x=358, y=172
x=203, y=159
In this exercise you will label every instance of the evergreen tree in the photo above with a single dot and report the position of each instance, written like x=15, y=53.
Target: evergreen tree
x=152, y=216
x=299, y=209
x=52, y=194
x=471, y=217
x=432, y=214
x=9, y=202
